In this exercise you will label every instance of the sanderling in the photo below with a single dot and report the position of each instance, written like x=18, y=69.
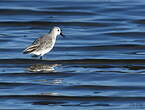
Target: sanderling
x=44, y=44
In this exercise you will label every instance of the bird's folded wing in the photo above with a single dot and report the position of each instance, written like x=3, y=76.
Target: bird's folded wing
x=35, y=45
x=37, y=41
x=30, y=49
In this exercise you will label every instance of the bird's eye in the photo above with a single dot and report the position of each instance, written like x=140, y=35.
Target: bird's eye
x=58, y=30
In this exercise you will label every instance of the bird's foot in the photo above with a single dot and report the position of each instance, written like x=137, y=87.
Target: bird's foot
x=41, y=57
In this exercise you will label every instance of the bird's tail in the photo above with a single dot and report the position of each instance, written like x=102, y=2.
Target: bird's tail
x=30, y=49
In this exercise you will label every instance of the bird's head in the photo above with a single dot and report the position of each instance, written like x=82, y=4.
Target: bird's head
x=57, y=31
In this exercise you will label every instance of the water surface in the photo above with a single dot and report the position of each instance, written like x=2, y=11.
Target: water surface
x=100, y=65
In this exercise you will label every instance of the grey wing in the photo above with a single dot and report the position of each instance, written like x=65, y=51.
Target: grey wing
x=37, y=41
x=33, y=46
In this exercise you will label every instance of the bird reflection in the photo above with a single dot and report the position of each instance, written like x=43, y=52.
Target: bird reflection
x=42, y=67
x=50, y=93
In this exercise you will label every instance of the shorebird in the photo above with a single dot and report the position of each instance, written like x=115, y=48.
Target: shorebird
x=44, y=44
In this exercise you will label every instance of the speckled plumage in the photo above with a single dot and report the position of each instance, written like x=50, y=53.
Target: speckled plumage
x=43, y=44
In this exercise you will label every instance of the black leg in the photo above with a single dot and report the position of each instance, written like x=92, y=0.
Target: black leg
x=41, y=57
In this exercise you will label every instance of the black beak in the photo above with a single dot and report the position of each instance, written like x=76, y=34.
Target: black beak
x=62, y=34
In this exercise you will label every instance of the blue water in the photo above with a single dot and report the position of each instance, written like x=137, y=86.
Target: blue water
x=100, y=65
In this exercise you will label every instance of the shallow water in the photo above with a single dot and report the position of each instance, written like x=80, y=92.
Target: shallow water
x=100, y=65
